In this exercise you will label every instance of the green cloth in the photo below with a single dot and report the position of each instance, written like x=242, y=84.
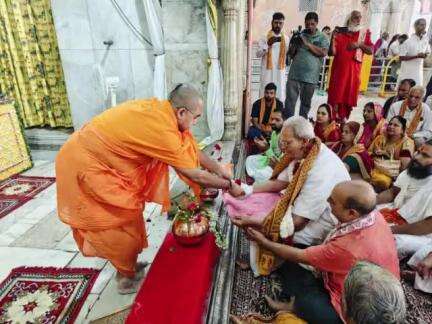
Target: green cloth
x=273, y=151
x=352, y=163
x=306, y=67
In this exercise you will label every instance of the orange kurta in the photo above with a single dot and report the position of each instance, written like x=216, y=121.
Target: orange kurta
x=108, y=170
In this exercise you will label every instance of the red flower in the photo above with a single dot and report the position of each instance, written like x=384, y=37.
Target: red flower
x=192, y=206
x=217, y=147
x=219, y=158
x=197, y=218
x=238, y=181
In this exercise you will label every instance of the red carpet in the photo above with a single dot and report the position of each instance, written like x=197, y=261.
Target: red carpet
x=17, y=190
x=44, y=295
x=178, y=284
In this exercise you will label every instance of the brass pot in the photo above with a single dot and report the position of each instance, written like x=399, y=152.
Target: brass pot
x=191, y=232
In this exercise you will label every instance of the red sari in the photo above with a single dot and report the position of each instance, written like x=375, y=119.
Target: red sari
x=329, y=134
x=370, y=132
x=344, y=82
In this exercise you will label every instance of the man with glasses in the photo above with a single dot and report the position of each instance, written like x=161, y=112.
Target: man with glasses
x=108, y=170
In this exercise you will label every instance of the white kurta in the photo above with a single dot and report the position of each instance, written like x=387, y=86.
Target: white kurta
x=413, y=69
x=424, y=127
x=278, y=77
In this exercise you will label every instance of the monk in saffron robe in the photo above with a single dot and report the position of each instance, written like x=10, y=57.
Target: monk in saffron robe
x=348, y=46
x=110, y=168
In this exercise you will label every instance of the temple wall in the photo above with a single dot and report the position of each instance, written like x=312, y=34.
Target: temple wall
x=83, y=25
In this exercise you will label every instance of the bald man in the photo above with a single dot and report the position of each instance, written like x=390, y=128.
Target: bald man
x=108, y=170
x=362, y=234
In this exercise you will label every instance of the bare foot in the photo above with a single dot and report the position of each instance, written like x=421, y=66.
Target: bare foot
x=280, y=306
x=127, y=285
x=244, y=265
x=141, y=269
x=235, y=319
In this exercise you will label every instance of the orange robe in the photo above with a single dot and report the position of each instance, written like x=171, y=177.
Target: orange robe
x=109, y=169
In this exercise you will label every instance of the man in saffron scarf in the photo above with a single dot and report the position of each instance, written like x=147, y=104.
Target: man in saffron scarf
x=303, y=207
x=110, y=168
x=417, y=114
x=262, y=110
x=273, y=52
x=355, y=238
x=348, y=46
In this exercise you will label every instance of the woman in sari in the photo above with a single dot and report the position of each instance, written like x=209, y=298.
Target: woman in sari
x=326, y=127
x=374, y=123
x=354, y=154
x=392, y=152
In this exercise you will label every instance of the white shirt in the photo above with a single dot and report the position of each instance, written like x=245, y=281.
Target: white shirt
x=424, y=128
x=409, y=187
x=394, y=49
x=413, y=69
x=311, y=203
x=274, y=75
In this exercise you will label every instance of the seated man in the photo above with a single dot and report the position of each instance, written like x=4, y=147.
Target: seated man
x=260, y=166
x=261, y=112
x=373, y=295
x=362, y=234
x=309, y=171
x=417, y=114
x=411, y=196
x=402, y=93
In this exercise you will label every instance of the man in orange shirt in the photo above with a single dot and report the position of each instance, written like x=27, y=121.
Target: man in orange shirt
x=110, y=168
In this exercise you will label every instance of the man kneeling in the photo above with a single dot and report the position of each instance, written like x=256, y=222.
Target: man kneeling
x=362, y=234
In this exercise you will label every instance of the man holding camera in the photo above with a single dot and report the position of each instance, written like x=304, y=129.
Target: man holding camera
x=273, y=51
x=307, y=50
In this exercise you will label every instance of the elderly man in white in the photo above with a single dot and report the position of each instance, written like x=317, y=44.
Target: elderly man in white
x=417, y=114
x=413, y=52
x=272, y=50
x=309, y=216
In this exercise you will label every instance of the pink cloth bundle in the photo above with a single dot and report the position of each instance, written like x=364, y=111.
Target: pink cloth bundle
x=257, y=205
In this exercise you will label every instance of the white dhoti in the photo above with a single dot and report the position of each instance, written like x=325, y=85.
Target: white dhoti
x=256, y=170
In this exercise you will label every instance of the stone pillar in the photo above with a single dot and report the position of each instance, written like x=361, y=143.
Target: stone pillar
x=230, y=70
x=376, y=10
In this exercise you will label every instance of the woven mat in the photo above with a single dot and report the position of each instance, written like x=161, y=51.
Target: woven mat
x=17, y=190
x=44, y=295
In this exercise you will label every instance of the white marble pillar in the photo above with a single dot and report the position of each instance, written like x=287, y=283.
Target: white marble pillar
x=394, y=23
x=231, y=70
x=376, y=10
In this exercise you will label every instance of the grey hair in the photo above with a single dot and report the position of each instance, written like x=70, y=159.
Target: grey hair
x=184, y=95
x=301, y=127
x=418, y=88
x=373, y=295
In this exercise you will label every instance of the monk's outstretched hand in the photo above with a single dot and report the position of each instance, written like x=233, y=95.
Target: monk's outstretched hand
x=236, y=190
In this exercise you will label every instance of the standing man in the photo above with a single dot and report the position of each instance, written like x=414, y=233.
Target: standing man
x=306, y=66
x=273, y=52
x=381, y=45
x=348, y=46
x=413, y=52
x=109, y=169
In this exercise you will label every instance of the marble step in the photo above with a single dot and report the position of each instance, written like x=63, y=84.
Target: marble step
x=46, y=138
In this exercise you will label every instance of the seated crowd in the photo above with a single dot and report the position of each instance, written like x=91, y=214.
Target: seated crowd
x=357, y=192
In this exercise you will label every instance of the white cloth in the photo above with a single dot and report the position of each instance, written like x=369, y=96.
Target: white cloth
x=394, y=49
x=214, y=107
x=274, y=75
x=420, y=283
x=254, y=169
x=413, y=69
x=311, y=203
x=424, y=128
x=419, y=206
x=408, y=186
x=153, y=13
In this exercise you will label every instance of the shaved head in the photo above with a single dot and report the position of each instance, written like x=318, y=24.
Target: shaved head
x=352, y=199
x=186, y=96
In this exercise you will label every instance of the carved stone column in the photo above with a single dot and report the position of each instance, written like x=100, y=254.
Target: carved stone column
x=230, y=70
x=394, y=25
x=376, y=10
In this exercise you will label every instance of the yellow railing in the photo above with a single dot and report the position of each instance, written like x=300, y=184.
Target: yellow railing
x=382, y=92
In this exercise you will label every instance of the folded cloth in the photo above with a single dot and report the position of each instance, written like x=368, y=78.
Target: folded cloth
x=257, y=205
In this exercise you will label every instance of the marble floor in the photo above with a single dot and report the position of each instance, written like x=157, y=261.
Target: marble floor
x=33, y=235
